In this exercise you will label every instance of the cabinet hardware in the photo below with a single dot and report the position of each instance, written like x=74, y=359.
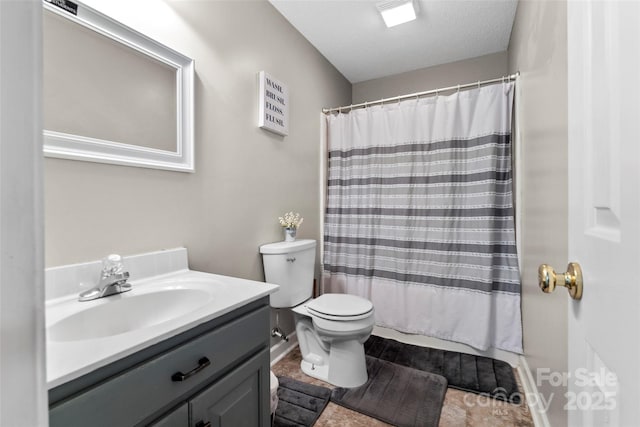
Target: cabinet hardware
x=202, y=363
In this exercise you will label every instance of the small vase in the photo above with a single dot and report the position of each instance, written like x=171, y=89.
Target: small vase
x=289, y=234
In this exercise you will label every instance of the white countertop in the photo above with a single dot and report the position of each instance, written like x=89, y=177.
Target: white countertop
x=68, y=360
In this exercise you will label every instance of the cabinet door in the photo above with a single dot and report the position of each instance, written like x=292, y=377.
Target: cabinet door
x=176, y=418
x=240, y=399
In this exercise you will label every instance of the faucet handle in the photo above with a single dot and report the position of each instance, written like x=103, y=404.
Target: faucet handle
x=113, y=279
x=112, y=264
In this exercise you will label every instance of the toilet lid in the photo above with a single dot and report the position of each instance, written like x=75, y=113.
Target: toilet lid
x=339, y=305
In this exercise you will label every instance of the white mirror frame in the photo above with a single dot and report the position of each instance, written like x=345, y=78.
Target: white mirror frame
x=78, y=147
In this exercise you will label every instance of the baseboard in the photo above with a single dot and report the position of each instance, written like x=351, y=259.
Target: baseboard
x=280, y=350
x=424, y=341
x=530, y=390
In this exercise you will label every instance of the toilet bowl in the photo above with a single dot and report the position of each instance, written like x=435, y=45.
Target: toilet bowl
x=274, y=384
x=332, y=328
x=331, y=339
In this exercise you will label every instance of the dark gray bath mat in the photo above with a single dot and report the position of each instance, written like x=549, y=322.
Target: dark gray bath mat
x=463, y=371
x=396, y=395
x=299, y=404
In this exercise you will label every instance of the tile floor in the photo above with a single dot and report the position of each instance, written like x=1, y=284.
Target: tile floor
x=460, y=408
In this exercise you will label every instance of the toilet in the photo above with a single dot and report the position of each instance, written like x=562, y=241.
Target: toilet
x=332, y=328
x=273, y=389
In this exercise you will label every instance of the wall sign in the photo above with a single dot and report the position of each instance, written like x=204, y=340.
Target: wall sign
x=65, y=5
x=273, y=109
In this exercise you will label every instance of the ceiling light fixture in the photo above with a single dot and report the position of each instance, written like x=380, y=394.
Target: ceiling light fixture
x=396, y=12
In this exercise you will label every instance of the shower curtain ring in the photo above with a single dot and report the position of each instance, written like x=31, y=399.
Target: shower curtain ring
x=478, y=84
x=458, y=88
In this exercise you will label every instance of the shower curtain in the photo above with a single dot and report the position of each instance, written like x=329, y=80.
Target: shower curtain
x=419, y=215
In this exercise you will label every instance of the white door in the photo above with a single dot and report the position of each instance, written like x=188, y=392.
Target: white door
x=604, y=212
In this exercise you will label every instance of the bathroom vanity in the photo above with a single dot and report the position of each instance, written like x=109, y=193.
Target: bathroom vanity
x=203, y=361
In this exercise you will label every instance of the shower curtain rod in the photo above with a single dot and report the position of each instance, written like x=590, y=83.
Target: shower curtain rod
x=419, y=94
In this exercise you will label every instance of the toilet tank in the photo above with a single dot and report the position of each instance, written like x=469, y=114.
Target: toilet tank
x=290, y=265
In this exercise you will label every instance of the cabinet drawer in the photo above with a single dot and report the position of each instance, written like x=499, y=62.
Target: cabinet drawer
x=141, y=391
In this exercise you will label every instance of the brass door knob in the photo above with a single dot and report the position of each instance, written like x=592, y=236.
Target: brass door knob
x=548, y=279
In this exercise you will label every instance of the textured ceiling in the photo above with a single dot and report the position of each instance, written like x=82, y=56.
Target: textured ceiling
x=352, y=35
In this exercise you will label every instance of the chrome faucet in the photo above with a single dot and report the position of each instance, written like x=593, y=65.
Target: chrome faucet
x=113, y=280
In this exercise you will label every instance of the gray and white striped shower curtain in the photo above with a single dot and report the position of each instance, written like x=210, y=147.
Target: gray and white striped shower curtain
x=419, y=216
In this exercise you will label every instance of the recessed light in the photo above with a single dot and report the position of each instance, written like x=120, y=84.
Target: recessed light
x=396, y=12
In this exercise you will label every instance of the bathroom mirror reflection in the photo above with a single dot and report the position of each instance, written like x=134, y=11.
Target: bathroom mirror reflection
x=113, y=95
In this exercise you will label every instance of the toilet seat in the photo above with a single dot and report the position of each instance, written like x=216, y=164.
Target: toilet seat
x=340, y=307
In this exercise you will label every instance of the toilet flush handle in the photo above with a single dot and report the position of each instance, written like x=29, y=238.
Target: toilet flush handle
x=292, y=259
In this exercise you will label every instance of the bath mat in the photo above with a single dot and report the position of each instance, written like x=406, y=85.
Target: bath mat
x=465, y=372
x=299, y=404
x=396, y=394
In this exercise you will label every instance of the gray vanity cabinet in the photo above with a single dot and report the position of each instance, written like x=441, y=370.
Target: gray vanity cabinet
x=235, y=400
x=216, y=374
x=176, y=418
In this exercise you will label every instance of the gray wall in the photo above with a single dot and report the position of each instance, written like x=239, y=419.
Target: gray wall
x=470, y=70
x=538, y=48
x=135, y=102
x=245, y=177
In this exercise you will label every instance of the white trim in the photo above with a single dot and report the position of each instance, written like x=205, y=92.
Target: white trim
x=539, y=415
x=23, y=388
x=280, y=350
x=77, y=147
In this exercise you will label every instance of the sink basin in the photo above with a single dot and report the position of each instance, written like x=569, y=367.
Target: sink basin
x=85, y=336
x=119, y=314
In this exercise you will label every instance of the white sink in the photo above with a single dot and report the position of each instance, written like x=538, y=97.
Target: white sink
x=126, y=312
x=84, y=336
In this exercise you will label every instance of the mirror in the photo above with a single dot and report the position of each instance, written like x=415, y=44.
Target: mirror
x=113, y=95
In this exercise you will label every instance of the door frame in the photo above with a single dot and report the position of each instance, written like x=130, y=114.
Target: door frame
x=23, y=390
